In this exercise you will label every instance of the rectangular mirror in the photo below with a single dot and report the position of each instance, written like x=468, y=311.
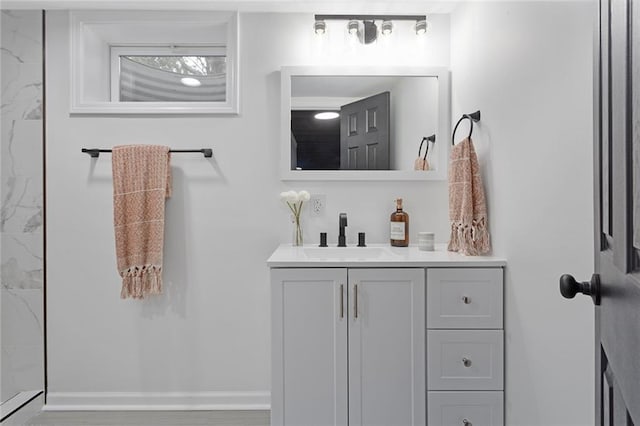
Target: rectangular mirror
x=363, y=123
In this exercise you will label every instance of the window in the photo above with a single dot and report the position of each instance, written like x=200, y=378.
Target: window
x=168, y=74
x=154, y=62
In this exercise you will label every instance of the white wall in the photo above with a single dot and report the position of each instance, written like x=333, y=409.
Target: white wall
x=528, y=68
x=211, y=331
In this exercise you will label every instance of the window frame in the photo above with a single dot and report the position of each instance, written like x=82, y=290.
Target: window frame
x=113, y=30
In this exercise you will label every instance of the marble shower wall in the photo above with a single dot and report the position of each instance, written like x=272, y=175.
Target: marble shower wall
x=21, y=233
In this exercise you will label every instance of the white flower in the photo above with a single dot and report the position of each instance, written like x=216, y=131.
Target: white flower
x=304, y=196
x=290, y=196
x=293, y=197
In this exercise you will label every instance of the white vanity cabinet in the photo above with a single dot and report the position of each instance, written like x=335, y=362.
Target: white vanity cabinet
x=348, y=346
x=386, y=336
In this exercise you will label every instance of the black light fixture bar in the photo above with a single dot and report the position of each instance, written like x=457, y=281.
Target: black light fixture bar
x=371, y=17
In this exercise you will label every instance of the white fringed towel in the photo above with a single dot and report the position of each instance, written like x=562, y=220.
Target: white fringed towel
x=467, y=203
x=141, y=182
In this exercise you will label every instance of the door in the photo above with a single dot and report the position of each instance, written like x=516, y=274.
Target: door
x=364, y=134
x=309, y=367
x=615, y=288
x=387, y=347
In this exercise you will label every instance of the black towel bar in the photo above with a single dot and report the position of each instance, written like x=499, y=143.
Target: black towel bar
x=95, y=153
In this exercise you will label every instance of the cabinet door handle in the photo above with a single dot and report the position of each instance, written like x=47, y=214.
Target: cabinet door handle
x=466, y=422
x=355, y=300
x=466, y=300
x=341, y=300
x=466, y=362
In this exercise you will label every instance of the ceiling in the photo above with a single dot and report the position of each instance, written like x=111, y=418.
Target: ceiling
x=329, y=6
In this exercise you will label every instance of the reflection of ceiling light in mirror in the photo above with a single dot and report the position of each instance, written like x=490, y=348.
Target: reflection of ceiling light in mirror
x=190, y=81
x=329, y=115
x=386, y=27
x=421, y=27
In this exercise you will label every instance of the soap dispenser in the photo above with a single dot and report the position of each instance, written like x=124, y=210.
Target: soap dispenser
x=399, y=231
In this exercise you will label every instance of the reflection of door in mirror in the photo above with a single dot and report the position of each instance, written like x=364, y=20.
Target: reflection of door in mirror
x=364, y=134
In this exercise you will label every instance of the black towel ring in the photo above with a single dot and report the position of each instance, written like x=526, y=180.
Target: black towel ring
x=431, y=138
x=473, y=117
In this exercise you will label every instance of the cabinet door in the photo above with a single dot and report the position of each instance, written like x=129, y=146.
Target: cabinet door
x=386, y=347
x=309, y=354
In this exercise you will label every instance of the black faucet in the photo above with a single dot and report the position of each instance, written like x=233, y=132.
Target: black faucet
x=343, y=224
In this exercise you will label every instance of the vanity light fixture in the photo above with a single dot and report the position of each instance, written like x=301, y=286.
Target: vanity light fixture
x=365, y=28
x=327, y=115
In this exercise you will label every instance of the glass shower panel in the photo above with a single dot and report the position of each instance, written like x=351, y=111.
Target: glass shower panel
x=21, y=233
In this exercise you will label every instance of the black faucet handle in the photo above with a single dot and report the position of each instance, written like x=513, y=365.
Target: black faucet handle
x=323, y=239
x=361, y=242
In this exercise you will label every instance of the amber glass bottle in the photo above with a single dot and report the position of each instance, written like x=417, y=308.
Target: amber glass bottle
x=399, y=226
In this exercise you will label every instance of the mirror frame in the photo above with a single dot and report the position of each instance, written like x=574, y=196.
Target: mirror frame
x=442, y=135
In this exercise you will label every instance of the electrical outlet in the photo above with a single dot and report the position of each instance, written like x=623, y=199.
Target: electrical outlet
x=317, y=204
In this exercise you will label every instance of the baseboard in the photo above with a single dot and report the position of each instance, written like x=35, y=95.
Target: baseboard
x=156, y=401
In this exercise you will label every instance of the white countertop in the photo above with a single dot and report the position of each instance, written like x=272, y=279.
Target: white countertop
x=375, y=255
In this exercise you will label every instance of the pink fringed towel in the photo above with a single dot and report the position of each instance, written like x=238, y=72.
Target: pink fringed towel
x=141, y=182
x=467, y=204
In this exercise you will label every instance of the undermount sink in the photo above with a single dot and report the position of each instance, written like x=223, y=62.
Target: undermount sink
x=363, y=253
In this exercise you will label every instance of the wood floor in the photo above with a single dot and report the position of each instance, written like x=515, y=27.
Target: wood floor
x=31, y=415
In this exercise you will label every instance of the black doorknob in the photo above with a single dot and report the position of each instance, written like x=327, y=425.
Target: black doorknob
x=569, y=287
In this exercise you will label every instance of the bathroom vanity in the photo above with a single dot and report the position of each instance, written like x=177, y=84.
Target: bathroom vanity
x=380, y=335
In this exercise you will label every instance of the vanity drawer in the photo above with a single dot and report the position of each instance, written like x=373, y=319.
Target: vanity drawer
x=465, y=359
x=465, y=408
x=464, y=298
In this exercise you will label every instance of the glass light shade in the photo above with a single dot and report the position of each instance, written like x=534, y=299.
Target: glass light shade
x=352, y=27
x=387, y=27
x=320, y=27
x=421, y=27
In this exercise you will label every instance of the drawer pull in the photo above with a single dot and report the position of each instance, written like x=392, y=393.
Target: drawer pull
x=466, y=300
x=466, y=422
x=341, y=300
x=467, y=363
